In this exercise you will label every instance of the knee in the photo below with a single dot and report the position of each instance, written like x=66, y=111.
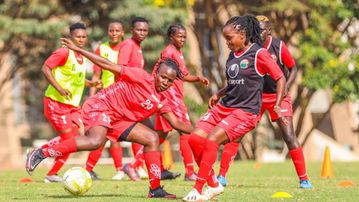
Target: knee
x=292, y=141
x=152, y=140
x=95, y=143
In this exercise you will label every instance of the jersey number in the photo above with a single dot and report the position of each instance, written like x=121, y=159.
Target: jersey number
x=147, y=104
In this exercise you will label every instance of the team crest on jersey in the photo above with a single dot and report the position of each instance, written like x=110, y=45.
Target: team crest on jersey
x=244, y=64
x=233, y=70
x=274, y=57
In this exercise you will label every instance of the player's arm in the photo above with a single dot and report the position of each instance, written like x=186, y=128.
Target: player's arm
x=98, y=60
x=266, y=65
x=176, y=124
x=57, y=58
x=215, y=98
x=288, y=61
x=93, y=84
x=192, y=79
x=95, y=77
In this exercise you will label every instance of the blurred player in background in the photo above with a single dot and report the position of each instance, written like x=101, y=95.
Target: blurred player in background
x=109, y=50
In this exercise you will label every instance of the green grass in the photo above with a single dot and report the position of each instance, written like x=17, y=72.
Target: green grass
x=246, y=183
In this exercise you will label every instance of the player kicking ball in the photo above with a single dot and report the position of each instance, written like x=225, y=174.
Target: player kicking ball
x=115, y=112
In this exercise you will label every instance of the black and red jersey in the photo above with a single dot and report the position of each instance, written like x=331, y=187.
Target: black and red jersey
x=280, y=53
x=244, y=72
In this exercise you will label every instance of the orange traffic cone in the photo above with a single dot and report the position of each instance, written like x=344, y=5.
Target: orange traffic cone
x=327, y=169
x=167, y=159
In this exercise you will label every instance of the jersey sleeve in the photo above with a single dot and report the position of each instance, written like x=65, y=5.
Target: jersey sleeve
x=286, y=57
x=165, y=108
x=136, y=75
x=124, y=55
x=97, y=68
x=266, y=65
x=57, y=58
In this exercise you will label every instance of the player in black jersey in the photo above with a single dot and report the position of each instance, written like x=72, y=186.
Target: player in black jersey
x=237, y=112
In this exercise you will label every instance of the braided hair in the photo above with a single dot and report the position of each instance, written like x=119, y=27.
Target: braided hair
x=173, y=65
x=248, y=24
x=173, y=29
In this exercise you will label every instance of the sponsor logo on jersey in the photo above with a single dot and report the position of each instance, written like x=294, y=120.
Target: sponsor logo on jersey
x=233, y=70
x=244, y=64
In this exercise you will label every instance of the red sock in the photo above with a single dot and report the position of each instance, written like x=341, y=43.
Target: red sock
x=229, y=153
x=93, y=158
x=212, y=180
x=161, y=140
x=197, y=143
x=152, y=160
x=137, y=150
x=116, y=153
x=299, y=163
x=58, y=163
x=52, y=142
x=187, y=155
x=60, y=160
x=65, y=147
x=208, y=159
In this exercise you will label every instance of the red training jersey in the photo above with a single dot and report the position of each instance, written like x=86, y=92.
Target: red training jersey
x=59, y=58
x=171, y=52
x=130, y=54
x=133, y=97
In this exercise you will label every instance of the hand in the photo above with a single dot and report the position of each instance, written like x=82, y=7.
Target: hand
x=278, y=111
x=66, y=93
x=213, y=101
x=286, y=90
x=97, y=84
x=69, y=44
x=203, y=80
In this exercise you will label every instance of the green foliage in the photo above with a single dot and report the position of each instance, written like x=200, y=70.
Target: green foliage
x=326, y=53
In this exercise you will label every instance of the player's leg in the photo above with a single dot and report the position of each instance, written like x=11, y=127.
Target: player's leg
x=92, y=160
x=116, y=153
x=60, y=160
x=94, y=138
x=165, y=173
x=187, y=156
x=145, y=136
x=228, y=154
x=295, y=152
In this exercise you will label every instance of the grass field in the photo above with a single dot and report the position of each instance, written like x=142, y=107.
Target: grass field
x=247, y=182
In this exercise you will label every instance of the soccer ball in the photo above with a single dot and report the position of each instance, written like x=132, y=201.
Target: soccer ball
x=77, y=181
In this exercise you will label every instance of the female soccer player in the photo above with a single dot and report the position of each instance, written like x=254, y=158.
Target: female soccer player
x=115, y=113
x=284, y=59
x=237, y=112
x=65, y=70
x=109, y=50
x=131, y=56
x=177, y=37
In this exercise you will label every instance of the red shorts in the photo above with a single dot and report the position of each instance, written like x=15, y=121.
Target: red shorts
x=180, y=113
x=234, y=121
x=61, y=116
x=178, y=108
x=96, y=113
x=268, y=103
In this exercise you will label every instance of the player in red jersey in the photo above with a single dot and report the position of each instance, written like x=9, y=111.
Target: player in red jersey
x=131, y=56
x=177, y=36
x=237, y=112
x=284, y=59
x=65, y=70
x=115, y=113
x=109, y=50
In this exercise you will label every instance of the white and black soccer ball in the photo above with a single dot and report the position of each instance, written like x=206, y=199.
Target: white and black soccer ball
x=77, y=181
